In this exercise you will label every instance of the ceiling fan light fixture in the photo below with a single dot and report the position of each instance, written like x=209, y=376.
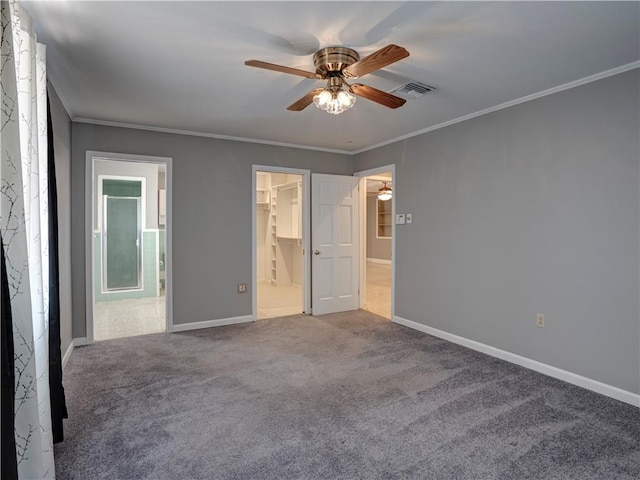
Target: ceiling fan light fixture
x=334, y=102
x=346, y=99
x=322, y=99
x=385, y=193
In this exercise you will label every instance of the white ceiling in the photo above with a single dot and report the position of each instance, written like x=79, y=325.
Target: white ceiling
x=180, y=65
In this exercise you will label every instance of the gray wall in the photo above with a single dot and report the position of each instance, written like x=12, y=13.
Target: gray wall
x=211, y=212
x=379, y=248
x=530, y=209
x=62, y=148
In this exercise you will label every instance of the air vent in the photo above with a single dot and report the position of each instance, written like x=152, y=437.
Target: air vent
x=412, y=90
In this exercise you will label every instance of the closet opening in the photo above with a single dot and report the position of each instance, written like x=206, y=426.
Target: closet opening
x=279, y=244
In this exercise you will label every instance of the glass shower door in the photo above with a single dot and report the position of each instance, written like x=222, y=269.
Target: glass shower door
x=122, y=239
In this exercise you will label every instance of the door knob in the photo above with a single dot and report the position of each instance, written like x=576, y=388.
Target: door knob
x=316, y=252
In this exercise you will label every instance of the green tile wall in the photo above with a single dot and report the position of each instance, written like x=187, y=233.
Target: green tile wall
x=162, y=256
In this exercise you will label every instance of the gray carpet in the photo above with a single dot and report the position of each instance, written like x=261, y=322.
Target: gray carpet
x=345, y=396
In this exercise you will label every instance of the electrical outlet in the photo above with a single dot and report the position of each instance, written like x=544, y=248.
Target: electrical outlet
x=541, y=321
x=242, y=288
x=408, y=217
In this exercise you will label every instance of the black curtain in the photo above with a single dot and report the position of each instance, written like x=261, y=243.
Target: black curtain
x=9, y=462
x=58, y=401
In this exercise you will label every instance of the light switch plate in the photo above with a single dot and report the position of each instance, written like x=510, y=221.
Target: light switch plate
x=409, y=218
x=400, y=219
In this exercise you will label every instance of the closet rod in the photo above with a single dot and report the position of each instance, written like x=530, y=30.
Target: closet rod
x=287, y=186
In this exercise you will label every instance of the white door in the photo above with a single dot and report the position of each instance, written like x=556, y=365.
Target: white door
x=334, y=243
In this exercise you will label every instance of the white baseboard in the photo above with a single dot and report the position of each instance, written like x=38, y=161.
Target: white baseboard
x=569, y=377
x=379, y=260
x=67, y=354
x=81, y=341
x=75, y=342
x=183, y=327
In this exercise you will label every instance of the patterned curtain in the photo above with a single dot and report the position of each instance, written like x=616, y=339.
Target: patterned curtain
x=25, y=235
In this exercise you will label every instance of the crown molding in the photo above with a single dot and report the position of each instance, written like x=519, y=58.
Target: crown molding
x=502, y=106
x=511, y=103
x=176, y=131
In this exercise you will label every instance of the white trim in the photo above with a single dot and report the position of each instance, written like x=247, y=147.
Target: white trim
x=81, y=342
x=183, y=327
x=168, y=243
x=362, y=230
x=363, y=174
x=381, y=261
x=564, y=375
x=67, y=354
x=306, y=233
x=89, y=207
x=511, y=103
x=176, y=131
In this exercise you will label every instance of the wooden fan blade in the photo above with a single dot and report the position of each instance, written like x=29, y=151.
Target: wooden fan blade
x=375, y=95
x=305, y=101
x=282, y=69
x=379, y=59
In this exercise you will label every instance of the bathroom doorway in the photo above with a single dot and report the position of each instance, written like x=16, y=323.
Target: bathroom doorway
x=128, y=246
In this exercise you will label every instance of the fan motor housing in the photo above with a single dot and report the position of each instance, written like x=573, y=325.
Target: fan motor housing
x=334, y=59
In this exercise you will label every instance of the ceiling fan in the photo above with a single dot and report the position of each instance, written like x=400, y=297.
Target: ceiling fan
x=383, y=193
x=335, y=65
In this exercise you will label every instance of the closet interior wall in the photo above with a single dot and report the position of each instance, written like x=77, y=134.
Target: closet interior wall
x=279, y=229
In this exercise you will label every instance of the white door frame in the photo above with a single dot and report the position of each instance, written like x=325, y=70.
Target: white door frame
x=363, y=232
x=306, y=237
x=90, y=157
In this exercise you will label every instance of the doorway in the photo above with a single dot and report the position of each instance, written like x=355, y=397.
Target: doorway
x=128, y=245
x=378, y=229
x=281, y=272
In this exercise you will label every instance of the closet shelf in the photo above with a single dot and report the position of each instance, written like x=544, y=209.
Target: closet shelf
x=384, y=218
x=289, y=237
x=262, y=197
